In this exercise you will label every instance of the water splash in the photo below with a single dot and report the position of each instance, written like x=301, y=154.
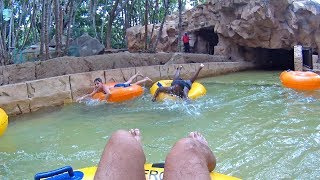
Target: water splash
x=93, y=102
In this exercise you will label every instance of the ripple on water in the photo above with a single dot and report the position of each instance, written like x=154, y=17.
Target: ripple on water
x=256, y=128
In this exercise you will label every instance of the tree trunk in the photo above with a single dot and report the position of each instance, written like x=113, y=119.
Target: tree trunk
x=146, y=25
x=11, y=30
x=108, y=35
x=43, y=27
x=153, y=21
x=56, y=4
x=70, y=17
x=46, y=31
x=61, y=29
x=128, y=14
x=180, y=26
x=112, y=15
x=17, y=31
x=36, y=30
x=31, y=23
x=3, y=52
x=166, y=5
x=92, y=15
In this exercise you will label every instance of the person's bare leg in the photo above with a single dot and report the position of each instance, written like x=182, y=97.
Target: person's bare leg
x=142, y=81
x=194, y=77
x=177, y=73
x=190, y=158
x=133, y=77
x=122, y=157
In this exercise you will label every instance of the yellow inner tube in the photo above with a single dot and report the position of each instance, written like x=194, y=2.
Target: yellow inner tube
x=152, y=173
x=3, y=121
x=197, y=90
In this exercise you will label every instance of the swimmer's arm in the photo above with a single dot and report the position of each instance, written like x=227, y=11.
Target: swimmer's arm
x=159, y=90
x=87, y=95
x=155, y=95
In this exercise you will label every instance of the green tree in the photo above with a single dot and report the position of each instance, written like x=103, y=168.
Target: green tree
x=28, y=22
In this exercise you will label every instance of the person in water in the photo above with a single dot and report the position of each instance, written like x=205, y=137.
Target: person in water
x=123, y=158
x=179, y=87
x=101, y=87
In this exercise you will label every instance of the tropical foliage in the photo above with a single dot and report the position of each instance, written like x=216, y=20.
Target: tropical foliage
x=37, y=22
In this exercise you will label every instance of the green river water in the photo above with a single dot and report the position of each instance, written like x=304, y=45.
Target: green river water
x=256, y=128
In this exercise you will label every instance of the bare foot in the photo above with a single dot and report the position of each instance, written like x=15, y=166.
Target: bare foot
x=79, y=100
x=199, y=137
x=139, y=74
x=148, y=79
x=136, y=134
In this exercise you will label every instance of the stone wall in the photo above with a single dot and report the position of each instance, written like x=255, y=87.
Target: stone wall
x=69, y=65
x=30, y=96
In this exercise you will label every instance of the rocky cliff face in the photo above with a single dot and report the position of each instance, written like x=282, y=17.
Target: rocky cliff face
x=237, y=27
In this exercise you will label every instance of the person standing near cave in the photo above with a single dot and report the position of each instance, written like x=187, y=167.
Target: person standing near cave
x=185, y=39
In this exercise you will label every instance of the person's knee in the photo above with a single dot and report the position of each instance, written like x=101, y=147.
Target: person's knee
x=193, y=148
x=119, y=134
x=124, y=139
x=190, y=146
x=186, y=144
x=182, y=148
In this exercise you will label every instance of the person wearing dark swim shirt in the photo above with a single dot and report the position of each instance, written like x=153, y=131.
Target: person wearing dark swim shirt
x=179, y=87
x=101, y=87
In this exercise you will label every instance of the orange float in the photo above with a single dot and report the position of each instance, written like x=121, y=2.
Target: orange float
x=300, y=80
x=119, y=94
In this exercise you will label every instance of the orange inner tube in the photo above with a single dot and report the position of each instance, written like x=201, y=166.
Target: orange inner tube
x=119, y=94
x=300, y=80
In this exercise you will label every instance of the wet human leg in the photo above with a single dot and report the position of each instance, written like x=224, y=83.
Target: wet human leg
x=190, y=158
x=143, y=81
x=133, y=77
x=194, y=77
x=177, y=73
x=122, y=157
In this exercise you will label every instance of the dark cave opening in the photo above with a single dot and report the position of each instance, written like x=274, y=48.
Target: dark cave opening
x=270, y=59
x=205, y=41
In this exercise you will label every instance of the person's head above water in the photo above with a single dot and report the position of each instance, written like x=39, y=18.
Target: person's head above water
x=97, y=82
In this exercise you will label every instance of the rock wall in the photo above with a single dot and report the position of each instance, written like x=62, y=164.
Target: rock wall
x=30, y=96
x=272, y=24
x=69, y=65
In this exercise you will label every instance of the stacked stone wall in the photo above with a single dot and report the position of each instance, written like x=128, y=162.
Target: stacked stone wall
x=16, y=73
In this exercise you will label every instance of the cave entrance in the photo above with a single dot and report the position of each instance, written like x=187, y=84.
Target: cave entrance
x=205, y=40
x=270, y=59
